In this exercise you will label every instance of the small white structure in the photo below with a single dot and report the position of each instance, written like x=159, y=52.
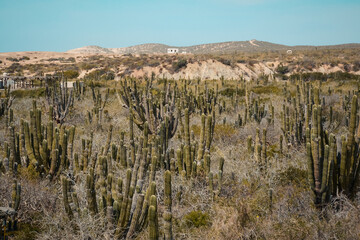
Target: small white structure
x=172, y=50
x=289, y=51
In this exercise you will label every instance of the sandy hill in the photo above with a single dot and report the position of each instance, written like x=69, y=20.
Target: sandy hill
x=222, y=47
x=90, y=49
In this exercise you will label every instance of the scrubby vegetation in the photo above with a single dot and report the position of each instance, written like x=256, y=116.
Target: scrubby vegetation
x=312, y=64
x=161, y=159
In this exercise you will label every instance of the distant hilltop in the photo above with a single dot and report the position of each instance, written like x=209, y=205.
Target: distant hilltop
x=222, y=47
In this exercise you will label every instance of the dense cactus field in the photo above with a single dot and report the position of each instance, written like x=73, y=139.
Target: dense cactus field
x=155, y=158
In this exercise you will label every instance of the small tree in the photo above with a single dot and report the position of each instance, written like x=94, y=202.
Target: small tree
x=71, y=74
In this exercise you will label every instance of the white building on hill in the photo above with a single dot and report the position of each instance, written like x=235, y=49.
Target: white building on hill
x=172, y=50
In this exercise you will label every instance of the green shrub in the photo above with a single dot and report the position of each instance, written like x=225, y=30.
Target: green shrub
x=229, y=92
x=70, y=59
x=270, y=89
x=95, y=84
x=181, y=63
x=27, y=231
x=293, y=175
x=87, y=66
x=101, y=74
x=314, y=76
x=15, y=67
x=197, y=219
x=281, y=69
x=226, y=62
x=71, y=74
x=224, y=131
x=24, y=58
x=12, y=59
x=32, y=93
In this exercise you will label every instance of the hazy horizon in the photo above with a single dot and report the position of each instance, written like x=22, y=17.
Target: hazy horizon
x=63, y=25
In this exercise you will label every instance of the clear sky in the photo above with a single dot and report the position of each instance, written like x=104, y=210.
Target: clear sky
x=60, y=25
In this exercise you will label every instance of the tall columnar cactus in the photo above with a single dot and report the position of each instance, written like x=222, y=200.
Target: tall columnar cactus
x=211, y=183
x=15, y=204
x=59, y=99
x=96, y=115
x=168, y=202
x=122, y=154
x=188, y=162
x=145, y=109
x=108, y=141
x=16, y=195
x=249, y=145
x=263, y=151
x=151, y=190
x=210, y=125
x=29, y=150
x=125, y=204
x=202, y=139
x=14, y=156
x=349, y=178
x=90, y=192
x=65, y=190
x=49, y=149
x=79, y=89
x=134, y=225
x=153, y=219
x=316, y=96
x=63, y=148
x=5, y=103
x=132, y=141
x=320, y=165
x=71, y=138
x=179, y=159
x=257, y=146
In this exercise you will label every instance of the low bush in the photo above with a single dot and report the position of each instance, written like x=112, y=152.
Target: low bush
x=197, y=219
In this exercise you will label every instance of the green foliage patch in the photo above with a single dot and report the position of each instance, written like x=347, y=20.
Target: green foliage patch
x=197, y=219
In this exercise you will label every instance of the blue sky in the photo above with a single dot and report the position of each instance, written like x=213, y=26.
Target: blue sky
x=49, y=25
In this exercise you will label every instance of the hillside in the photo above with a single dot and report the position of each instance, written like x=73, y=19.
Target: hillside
x=90, y=49
x=217, y=48
x=249, y=65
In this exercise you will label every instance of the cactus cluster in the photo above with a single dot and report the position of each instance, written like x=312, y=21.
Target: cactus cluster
x=254, y=109
x=96, y=114
x=45, y=150
x=296, y=113
x=49, y=152
x=159, y=113
x=330, y=172
x=120, y=177
x=79, y=89
x=9, y=215
x=194, y=157
x=129, y=205
x=258, y=148
x=124, y=204
x=5, y=104
x=59, y=99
